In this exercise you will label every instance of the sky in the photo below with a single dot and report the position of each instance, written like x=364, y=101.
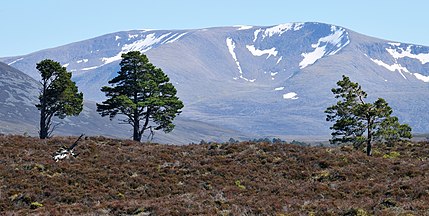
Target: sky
x=29, y=25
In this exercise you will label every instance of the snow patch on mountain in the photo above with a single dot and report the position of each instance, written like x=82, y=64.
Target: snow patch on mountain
x=90, y=68
x=169, y=38
x=66, y=65
x=311, y=58
x=257, y=52
x=278, y=60
x=117, y=37
x=279, y=88
x=399, y=52
x=290, y=96
x=273, y=74
x=338, y=39
x=111, y=59
x=132, y=36
x=231, y=47
x=277, y=30
x=282, y=28
x=398, y=67
x=393, y=68
x=143, y=45
x=255, y=34
x=394, y=44
x=82, y=60
x=176, y=38
x=13, y=62
x=421, y=77
x=243, y=27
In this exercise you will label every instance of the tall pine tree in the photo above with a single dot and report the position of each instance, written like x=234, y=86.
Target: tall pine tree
x=59, y=95
x=352, y=117
x=143, y=94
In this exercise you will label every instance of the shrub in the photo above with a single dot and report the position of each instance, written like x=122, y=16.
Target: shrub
x=392, y=155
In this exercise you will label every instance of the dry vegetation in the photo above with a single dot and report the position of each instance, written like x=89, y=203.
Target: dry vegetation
x=117, y=177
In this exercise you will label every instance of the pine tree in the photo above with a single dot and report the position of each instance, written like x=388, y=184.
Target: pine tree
x=59, y=95
x=352, y=117
x=141, y=92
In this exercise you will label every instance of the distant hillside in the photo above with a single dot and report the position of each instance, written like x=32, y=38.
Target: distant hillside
x=119, y=177
x=18, y=95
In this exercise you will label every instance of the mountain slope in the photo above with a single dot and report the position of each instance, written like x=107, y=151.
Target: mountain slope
x=264, y=81
x=19, y=114
x=18, y=94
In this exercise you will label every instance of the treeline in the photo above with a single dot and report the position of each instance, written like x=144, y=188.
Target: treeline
x=265, y=140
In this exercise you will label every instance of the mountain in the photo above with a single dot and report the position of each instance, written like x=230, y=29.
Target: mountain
x=260, y=81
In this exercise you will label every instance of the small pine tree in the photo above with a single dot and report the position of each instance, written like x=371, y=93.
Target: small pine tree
x=141, y=92
x=352, y=117
x=59, y=95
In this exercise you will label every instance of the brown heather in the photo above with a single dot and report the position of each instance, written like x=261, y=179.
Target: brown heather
x=119, y=177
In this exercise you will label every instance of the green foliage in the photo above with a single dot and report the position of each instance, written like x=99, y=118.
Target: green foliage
x=239, y=185
x=323, y=175
x=120, y=195
x=391, y=155
x=391, y=131
x=35, y=205
x=59, y=95
x=352, y=117
x=141, y=92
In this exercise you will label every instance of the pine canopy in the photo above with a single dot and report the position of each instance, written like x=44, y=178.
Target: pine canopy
x=142, y=93
x=353, y=116
x=59, y=95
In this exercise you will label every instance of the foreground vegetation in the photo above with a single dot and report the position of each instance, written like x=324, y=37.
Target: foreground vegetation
x=119, y=177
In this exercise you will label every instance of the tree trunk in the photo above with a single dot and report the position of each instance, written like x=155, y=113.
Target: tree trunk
x=369, y=148
x=146, y=123
x=369, y=138
x=43, y=133
x=136, y=135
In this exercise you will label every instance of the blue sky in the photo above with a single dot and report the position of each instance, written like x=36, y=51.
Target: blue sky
x=30, y=25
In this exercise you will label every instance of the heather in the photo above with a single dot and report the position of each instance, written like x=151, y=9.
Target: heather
x=122, y=177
